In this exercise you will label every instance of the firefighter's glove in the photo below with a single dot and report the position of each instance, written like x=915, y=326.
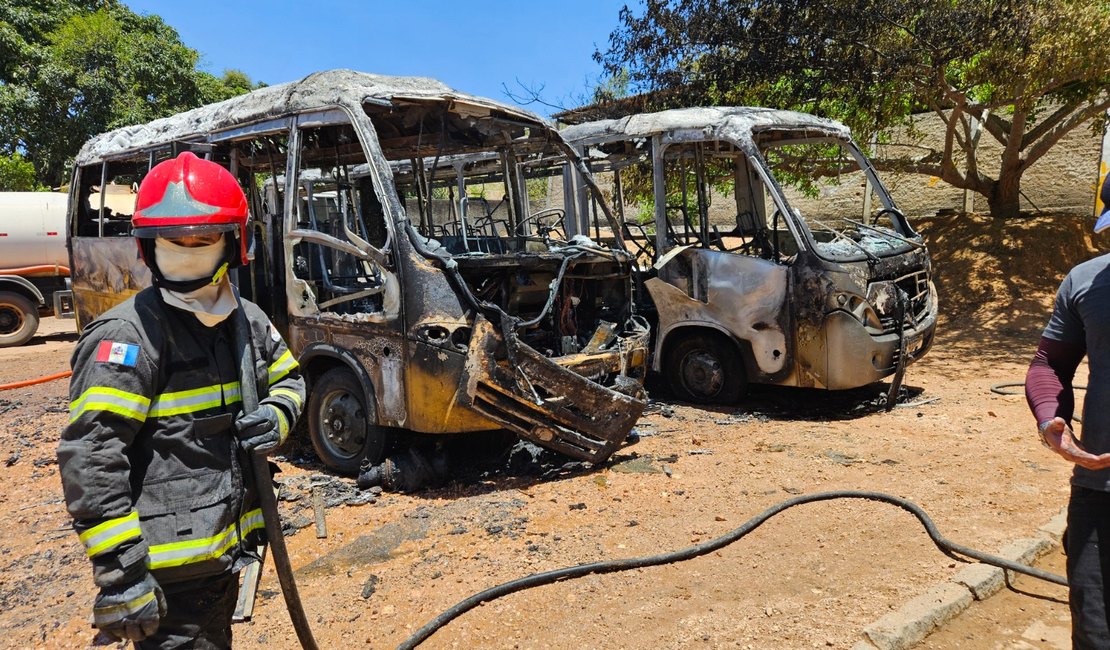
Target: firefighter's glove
x=131, y=611
x=264, y=428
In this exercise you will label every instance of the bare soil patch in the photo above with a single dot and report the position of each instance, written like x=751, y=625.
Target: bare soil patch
x=812, y=577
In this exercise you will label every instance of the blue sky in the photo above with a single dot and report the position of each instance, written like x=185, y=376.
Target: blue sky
x=474, y=46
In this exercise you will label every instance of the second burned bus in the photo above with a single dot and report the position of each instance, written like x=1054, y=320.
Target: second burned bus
x=770, y=249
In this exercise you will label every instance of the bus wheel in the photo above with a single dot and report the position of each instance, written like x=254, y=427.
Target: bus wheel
x=340, y=424
x=19, y=318
x=705, y=369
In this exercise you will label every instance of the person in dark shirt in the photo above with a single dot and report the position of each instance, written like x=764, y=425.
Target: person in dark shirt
x=1080, y=326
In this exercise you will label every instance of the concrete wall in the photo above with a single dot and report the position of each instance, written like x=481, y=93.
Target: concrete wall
x=1063, y=180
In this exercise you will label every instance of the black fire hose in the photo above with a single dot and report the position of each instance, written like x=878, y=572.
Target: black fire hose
x=248, y=390
x=950, y=549
x=1001, y=389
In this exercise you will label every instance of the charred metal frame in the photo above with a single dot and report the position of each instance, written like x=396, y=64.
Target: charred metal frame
x=811, y=320
x=430, y=354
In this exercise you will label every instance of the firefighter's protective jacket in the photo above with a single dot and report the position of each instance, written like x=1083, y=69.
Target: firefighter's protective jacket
x=149, y=463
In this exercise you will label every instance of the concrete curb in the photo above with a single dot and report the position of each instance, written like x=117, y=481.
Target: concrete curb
x=918, y=617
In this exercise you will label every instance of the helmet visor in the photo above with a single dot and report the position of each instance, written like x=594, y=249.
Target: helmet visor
x=173, y=232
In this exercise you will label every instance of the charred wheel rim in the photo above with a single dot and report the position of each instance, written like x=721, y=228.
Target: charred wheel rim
x=702, y=373
x=342, y=423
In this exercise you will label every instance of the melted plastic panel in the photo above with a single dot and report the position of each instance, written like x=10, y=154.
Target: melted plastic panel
x=744, y=296
x=105, y=273
x=553, y=406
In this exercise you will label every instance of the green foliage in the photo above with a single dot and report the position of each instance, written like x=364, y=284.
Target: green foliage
x=1030, y=70
x=18, y=175
x=537, y=188
x=231, y=84
x=806, y=167
x=70, y=69
x=615, y=86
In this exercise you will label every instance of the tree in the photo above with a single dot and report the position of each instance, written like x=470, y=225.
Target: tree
x=17, y=175
x=70, y=69
x=232, y=83
x=1029, y=71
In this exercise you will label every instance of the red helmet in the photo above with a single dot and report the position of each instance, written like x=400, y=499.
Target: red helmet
x=186, y=196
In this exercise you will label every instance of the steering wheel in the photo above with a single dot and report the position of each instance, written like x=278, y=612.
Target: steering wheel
x=894, y=213
x=543, y=229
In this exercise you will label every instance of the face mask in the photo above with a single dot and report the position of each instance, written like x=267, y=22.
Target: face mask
x=182, y=263
x=211, y=304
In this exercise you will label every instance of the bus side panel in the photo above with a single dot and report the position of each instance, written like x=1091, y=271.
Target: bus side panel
x=106, y=271
x=745, y=296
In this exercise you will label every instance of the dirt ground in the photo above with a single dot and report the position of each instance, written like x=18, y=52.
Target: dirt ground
x=812, y=577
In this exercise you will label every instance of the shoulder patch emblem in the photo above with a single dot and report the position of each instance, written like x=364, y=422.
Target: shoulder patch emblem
x=274, y=333
x=124, y=354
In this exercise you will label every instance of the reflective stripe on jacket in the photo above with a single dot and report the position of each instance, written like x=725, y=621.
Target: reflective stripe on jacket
x=149, y=455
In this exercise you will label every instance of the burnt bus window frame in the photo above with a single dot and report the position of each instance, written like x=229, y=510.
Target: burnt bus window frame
x=361, y=243
x=683, y=137
x=224, y=148
x=269, y=142
x=99, y=220
x=781, y=137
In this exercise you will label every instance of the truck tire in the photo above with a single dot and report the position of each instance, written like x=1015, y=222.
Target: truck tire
x=341, y=426
x=706, y=369
x=19, y=319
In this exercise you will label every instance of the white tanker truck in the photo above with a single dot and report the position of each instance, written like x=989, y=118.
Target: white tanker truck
x=34, y=263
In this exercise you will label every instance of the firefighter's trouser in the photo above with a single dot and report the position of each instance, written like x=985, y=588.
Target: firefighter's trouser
x=198, y=614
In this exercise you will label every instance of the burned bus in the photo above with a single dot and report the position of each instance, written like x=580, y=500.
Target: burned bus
x=403, y=316
x=770, y=250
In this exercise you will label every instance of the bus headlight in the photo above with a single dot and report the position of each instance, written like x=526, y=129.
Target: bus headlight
x=861, y=310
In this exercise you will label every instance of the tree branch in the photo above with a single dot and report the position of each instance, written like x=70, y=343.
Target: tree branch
x=906, y=165
x=1048, y=123
x=973, y=154
x=948, y=166
x=997, y=127
x=1052, y=137
x=531, y=95
x=963, y=133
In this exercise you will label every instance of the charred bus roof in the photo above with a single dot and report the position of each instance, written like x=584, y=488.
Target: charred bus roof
x=316, y=91
x=735, y=123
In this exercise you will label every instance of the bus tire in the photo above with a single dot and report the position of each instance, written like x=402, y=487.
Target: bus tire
x=341, y=425
x=705, y=368
x=19, y=319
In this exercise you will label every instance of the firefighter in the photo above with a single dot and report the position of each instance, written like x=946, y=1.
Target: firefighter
x=154, y=461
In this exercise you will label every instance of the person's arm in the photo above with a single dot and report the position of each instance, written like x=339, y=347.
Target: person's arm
x=1048, y=383
x=287, y=389
x=281, y=405
x=110, y=394
x=1048, y=386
